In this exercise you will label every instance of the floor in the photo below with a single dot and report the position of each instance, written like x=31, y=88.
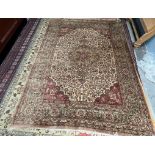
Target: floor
x=13, y=39
x=145, y=57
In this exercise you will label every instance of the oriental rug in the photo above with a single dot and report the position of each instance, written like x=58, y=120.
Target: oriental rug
x=76, y=77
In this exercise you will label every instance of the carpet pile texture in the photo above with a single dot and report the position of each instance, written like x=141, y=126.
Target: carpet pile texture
x=76, y=77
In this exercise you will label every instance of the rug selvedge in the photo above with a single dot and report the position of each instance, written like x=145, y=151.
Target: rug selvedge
x=58, y=106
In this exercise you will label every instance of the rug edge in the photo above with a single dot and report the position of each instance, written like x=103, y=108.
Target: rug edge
x=131, y=49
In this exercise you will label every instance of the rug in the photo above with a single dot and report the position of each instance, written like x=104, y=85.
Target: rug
x=76, y=77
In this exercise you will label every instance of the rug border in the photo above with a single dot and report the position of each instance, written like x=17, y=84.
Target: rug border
x=131, y=49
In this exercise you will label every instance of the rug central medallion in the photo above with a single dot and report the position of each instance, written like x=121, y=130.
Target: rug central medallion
x=83, y=69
